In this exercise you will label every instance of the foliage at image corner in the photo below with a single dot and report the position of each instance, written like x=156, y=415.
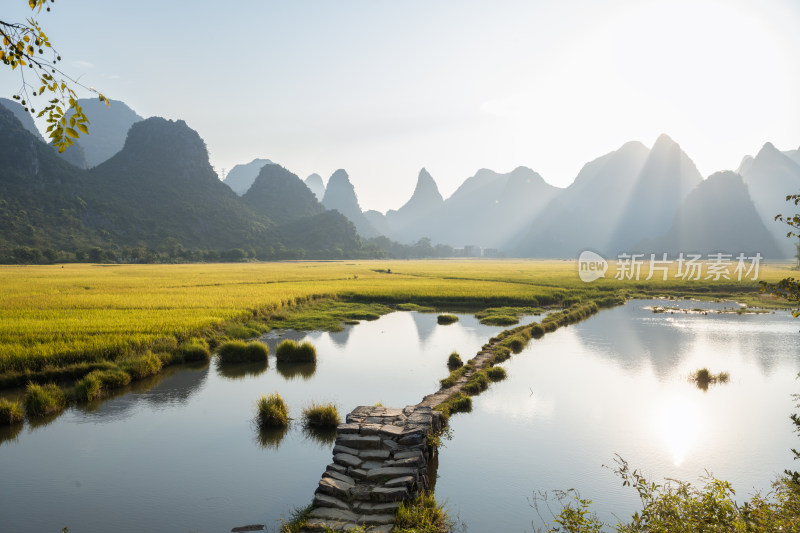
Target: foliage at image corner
x=25, y=44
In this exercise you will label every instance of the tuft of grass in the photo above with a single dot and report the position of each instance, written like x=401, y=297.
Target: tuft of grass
x=142, y=366
x=505, y=316
x=458, y=403
x=422, y=514
x=450, y=380
x=454, y=361
x=112, y=379
x=293, y=352
x=43, y=400
x=704, y=377
x=446, y=319
x=195, y=349
x=297, y=521
x=321, y=416
x=477, y=383
x=242, y=352
x=496, y=373
x=271, y=411
x=89, y=388
x=415, y=307
x=10, y=413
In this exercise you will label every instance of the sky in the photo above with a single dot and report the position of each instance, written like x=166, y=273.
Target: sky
x=383, y=89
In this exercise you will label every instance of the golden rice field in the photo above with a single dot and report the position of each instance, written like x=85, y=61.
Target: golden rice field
x=54, y=315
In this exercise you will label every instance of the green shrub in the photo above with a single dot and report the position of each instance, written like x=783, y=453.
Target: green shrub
x=537, y=331
x=323, y=416
x=496, y=373
x=292, y=352
x=195, y=349
x=458, y=403
x=446, y=319
x=43, y=400
x=272, y=411
x=89, y=388
x=242, y=352
x=454, y=361
x=142, y=366
x=10, y=413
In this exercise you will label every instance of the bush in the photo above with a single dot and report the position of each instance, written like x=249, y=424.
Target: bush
x=43, y=400
x=496, y=373
x=323, y=416
x=291, y=351
x=446, y=319
x=195, y=350
x=454, y=361
x=142, y=366
x=89, y=388
x=10, y=413
x=272, y=411
x=242, y=352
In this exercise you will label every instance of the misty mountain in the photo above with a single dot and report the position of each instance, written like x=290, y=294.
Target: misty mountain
x=314, y=182
x=23, y=116
x=158, y=191
x=794, y=155
x=718, y=216
x=667, y=177
x=108, y=129
x=585, y=214
x=241, y=177
x=341, y=196
x=410, y=222
x=770, y=177
x=280, y=195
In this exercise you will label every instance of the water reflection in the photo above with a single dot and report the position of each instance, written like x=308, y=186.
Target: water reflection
x=290, y=370
x=241, y=370
x=340, y=338
x=678, y=425
x=425, y=326
x=271, y=438
x=10, y=433
x=324, y=437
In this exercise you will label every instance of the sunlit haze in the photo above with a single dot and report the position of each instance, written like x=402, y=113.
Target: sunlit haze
x=384, y=89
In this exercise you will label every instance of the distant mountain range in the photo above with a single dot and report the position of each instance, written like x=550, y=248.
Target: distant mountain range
x=149, y=183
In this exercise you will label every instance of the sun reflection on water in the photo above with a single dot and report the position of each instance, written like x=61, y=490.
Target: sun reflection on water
x=678, y=425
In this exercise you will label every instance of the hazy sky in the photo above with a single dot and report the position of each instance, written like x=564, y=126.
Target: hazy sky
x=382, y=89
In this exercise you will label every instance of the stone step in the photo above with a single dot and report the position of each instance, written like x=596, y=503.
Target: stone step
x=358, y=442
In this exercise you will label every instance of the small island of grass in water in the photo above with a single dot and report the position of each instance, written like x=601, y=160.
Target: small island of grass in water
x=703, y=378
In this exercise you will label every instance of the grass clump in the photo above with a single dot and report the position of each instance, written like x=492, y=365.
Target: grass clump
x=43, y=400
x=271, y=411
x=423, y=514
x=142, y=366
x=454, y=361
x=89, y=388
x=112, y=379
x=505, y=316
x=195, y=349
x=10, y=413
x=446, y=319
x=321, y=416
x=477, y=383
x=293, y=352
x=704, y=377
x=242, y=352
x=458, y=403
x=297, y=520
x=415, y=307
x=450, y=380
x=496, y=373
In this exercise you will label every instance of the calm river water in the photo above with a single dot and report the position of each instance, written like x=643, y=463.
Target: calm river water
x=179, y=452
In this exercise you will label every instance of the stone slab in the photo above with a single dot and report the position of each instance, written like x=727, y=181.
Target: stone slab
x=389, y=472
x=404, y=481
x=359, y=442
x=345, y=459
x=323, y=500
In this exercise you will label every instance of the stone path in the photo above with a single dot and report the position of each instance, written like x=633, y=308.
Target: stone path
x=380, y=459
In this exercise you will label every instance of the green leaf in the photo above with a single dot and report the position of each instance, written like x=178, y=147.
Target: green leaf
x=72, y=133
x=83, y=128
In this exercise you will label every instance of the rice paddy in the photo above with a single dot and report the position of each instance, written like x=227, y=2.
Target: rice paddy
x=66, y=321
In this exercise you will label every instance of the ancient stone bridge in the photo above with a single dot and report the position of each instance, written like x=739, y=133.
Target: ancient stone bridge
x=381, y=458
